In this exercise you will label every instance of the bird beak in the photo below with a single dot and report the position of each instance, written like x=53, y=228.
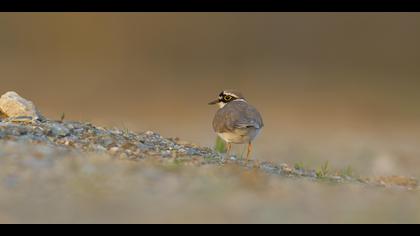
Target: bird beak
x=214, y=102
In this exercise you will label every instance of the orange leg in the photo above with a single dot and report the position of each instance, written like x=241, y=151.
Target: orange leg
x=229, y=148
x=249, y=151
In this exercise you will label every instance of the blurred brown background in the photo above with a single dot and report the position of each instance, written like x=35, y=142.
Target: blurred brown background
x=331, y=86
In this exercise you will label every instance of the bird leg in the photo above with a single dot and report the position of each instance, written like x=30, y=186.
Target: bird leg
x=249, y=151
x=229, y=147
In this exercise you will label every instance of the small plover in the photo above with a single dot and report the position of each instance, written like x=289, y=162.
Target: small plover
x=236, y=121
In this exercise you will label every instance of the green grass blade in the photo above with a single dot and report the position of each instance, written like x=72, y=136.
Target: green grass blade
x=220, y=145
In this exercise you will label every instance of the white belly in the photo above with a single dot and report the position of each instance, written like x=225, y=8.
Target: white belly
x=240, y=136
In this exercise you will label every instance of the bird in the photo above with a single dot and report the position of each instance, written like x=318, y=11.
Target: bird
x=236, y=121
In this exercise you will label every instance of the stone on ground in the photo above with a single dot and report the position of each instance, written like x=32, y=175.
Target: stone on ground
x=12, y=106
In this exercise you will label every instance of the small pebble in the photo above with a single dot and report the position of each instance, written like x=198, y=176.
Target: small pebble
x=114, y=150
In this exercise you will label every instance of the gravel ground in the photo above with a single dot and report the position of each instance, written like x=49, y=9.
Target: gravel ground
x=73, y=172
x=123, y=144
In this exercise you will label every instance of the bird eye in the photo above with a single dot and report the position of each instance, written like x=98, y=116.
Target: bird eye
x=228, y=98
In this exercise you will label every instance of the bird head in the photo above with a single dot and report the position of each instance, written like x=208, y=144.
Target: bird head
x=227, y=96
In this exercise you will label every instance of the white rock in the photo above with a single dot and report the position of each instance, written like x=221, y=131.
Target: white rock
x=114, y=150
x=13, y=105
x=149, y=133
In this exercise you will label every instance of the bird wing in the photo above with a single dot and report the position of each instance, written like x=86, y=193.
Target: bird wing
x=237, y=115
